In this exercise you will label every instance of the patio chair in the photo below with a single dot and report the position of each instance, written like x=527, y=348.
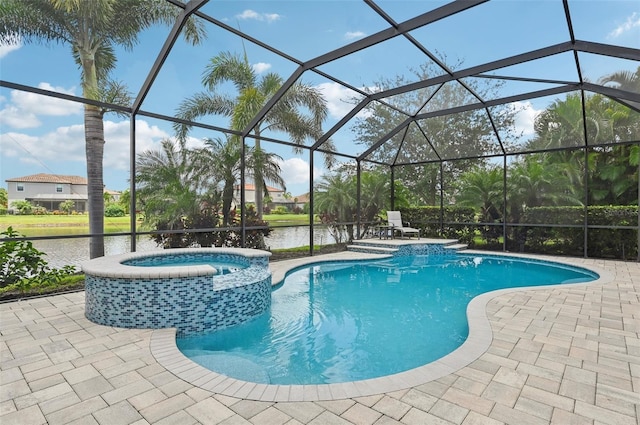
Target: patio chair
x=395, y=225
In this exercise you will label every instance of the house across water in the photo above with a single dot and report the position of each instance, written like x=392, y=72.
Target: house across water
x=50, y=190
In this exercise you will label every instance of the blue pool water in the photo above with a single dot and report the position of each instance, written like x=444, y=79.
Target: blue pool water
x=175, y=261
x=347, y=321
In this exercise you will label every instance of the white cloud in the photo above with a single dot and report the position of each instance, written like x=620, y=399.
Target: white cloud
x=15, y=118
x=24, y=108
x=271, y=17
x=249, y=14
x=632, y=22
x=68, y=144
x=116, y=135
x=260, y=67
x=339, y=99
x=17, y=145
x=64, y=143
x=45, y=105
x=252, y=14
x=194, y=142
x=9, y=44
x=525, y=117
x=295, y=172
x=351, y=35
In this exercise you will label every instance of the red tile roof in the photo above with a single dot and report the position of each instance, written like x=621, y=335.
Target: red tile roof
x=49, y=178
x=252, y=187
x=302, y=198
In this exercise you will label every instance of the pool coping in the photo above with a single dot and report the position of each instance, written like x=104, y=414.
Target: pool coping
x=164, y=348
x=111, y=266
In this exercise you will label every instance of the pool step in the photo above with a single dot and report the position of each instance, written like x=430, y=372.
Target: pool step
x=456, y=247
x=370, y=249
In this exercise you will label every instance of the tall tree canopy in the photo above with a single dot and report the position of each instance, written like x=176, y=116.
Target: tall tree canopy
x=468, y=134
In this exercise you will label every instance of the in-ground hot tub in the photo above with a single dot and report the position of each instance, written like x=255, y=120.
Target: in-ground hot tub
x=192, y=289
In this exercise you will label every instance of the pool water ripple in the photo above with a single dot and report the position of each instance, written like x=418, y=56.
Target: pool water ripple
x=349, y=321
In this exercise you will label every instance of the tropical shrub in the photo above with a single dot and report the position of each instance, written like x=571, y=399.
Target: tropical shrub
x=280, y=210
x=67, y=206
x=4, y=198
x=254, y=238
x=38, y=210
x=114, y=210
x=22, y=266
x=23, y=207
x=177, y=234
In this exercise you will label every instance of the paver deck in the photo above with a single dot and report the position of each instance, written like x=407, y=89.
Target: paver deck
x=562, y=355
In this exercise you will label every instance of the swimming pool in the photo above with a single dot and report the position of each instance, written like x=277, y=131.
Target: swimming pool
x=348, y=321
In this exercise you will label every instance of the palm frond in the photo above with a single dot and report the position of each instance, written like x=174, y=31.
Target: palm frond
x=228, y=67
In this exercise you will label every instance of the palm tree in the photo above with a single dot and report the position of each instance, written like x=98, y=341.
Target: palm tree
x=483, y=189
x=172, y=191
x=92, y=29
x=624, y=80
x=220, y=159
x=4, y=198
x=561, y=125
x=252, y=94
x=613, y=168
x=336, y=204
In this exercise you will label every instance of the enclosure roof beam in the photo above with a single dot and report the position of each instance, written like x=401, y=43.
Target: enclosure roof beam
x=582, y=46
x=409, y=25
x=470, y=107
x=608, y=50
x=612, y=92
x=385, y=138
x=501, y=101
x=363, y=103
x=60, y=95
x=406, y=26
x=187, y=122
x=469, y=72
x=189, y=9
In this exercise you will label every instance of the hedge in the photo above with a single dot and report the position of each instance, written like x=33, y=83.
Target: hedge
x=427, y=219
x=602, y=243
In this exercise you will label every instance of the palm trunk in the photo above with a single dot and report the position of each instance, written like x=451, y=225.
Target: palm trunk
x=94, y=150
x=258, y=181
x=227, y=200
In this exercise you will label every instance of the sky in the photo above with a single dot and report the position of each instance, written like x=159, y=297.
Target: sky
x=46, y=135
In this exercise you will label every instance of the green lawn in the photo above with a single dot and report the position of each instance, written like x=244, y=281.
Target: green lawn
x=51, y=225
x=279, y=220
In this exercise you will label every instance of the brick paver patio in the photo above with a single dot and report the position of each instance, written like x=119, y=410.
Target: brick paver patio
x=562, y=355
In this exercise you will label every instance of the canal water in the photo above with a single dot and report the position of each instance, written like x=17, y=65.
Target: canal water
x=61, y=252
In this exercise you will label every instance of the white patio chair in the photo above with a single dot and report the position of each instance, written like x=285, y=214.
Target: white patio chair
x=395, y=225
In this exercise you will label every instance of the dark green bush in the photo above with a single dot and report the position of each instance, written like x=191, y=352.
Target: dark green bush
x=603, y=243
x=280, y=210
x=114, y=210
x=566, y=239
x=428, y=220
